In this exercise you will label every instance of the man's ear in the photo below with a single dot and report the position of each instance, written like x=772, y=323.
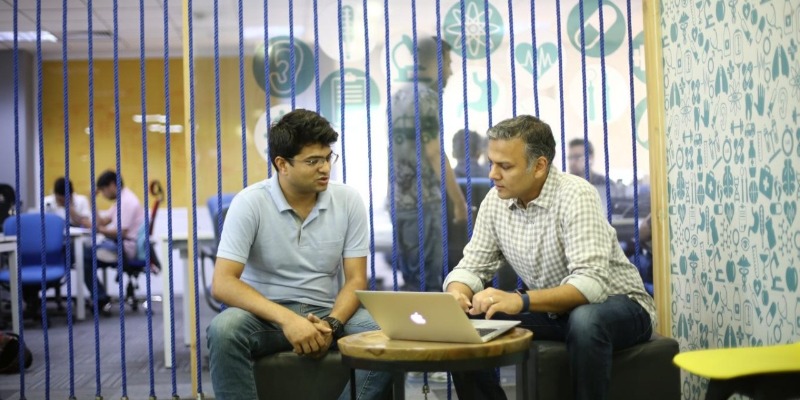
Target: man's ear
x=541, y=168
x=281, y=165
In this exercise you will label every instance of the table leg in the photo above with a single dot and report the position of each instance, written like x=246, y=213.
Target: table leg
x=522, y=380
x=165, y=304
x=12, y=269
x=187, y=329
x=352, y=384
x=80, y=307
x=399, y=385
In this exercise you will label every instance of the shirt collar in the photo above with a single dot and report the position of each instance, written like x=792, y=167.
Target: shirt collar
x=546, y=196
x=274, y=189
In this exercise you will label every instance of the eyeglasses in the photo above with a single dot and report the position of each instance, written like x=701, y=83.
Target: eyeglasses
x=315, y=162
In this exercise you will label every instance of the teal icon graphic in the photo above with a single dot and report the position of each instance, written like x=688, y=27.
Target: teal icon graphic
x=613, y=22
x=403, y=60
x=355, y=94
x=546, y=57
x=474, y=28
x=280, y=67
x=638, y=56
x=482, y=102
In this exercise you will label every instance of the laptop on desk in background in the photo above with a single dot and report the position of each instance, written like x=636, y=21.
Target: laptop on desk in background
x=425, y=316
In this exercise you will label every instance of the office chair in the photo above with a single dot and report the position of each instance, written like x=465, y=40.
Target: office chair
x=133, y=267
x=215, y=209
x=29, y=242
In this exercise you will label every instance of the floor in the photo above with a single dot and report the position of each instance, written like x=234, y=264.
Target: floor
x=44, y=380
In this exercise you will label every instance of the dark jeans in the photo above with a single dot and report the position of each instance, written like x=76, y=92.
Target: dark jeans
x=592, y=332
x=102, y=295
x=409, y=248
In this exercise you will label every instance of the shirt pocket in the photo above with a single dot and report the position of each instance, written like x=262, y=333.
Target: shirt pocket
x=329, y=253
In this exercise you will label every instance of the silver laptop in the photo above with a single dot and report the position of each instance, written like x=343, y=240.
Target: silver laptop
x=433, y=317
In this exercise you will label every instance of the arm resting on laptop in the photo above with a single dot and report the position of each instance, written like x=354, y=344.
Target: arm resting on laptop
x=226, y=287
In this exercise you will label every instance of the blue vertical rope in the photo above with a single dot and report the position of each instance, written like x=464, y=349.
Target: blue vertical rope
x=605, y=111
x=67, y=196
x=636, y=242
x=583, y=88
x=93, y=187
x=43, y=252
x=418, y=142
x=145, y=180
x=118, y=203
x=168, y=150
x=241, y=92
x=442, y=156
x=561, y=86
x=267, y=82
x=511, y=57
x=535, y=54
x=466, y=114
x=316, y=57
x=390, y=134
x=369, y=148
x=217, y=119
x=488, y=42
x=193, y=164
x=17, y=202
x=291, y=52
x=341, y=91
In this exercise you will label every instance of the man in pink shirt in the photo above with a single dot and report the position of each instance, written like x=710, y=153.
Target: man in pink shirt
x=131, y=219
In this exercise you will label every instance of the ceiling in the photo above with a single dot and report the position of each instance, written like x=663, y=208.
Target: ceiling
x=128, y=25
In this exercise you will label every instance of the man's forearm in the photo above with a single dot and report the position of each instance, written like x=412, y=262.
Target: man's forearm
x=233, y=292
x=461, y=288
x=346, y=302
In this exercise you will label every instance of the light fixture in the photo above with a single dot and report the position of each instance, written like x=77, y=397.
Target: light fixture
x=160, y=128
x=150, y=118
x=26, y=36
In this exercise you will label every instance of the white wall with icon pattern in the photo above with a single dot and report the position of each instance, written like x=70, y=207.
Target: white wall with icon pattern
x=732, y=84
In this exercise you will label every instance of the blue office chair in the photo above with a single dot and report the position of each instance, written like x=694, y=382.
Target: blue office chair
x=29, y=242
x=215, y=210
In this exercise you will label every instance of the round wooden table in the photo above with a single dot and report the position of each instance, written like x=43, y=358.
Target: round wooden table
x=374, y=351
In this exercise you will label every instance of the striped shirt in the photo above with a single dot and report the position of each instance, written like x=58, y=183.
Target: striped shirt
x=561, y=237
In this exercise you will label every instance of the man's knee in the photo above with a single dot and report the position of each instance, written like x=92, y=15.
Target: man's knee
x=361, y=321
x=586, y=325
x=227, y=326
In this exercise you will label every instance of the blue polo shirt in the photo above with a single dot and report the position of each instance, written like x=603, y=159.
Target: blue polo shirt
x=289, y=260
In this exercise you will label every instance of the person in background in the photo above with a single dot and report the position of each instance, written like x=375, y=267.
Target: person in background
x=80, y=212
x=404, y=157
x=132, y=217
x=576, y=153
x=293, y=251
x=548, y=226
x=476, y=149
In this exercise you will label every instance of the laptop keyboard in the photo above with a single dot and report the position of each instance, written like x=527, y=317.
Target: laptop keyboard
x=484, y=331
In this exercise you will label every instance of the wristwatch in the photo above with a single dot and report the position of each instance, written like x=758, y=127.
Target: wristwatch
x=337, y=327
x=526, y=300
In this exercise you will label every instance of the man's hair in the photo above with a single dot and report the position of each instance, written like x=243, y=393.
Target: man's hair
x=59, y=187
x=580, y=142
x=428, y=50
x=107, y=178
x=298, y=129
x=476, y=145
x=534, y=132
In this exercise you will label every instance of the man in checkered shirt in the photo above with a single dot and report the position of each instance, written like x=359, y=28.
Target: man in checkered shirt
x=549, y=227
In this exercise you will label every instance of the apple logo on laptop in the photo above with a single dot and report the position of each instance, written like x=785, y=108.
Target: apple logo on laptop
x=418, y=319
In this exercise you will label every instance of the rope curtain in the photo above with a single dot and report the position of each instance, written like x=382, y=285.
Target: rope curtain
x=362, y=127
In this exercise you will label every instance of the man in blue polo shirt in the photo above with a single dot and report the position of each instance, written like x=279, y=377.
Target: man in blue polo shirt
x=293, y=251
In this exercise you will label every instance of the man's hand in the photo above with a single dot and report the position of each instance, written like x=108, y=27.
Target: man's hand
x=462, y=300
x=304, y=336
x=491, y=300
x=459, y=212
x=327, y=334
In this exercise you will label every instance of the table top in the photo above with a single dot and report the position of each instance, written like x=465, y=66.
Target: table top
x=374, y=345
